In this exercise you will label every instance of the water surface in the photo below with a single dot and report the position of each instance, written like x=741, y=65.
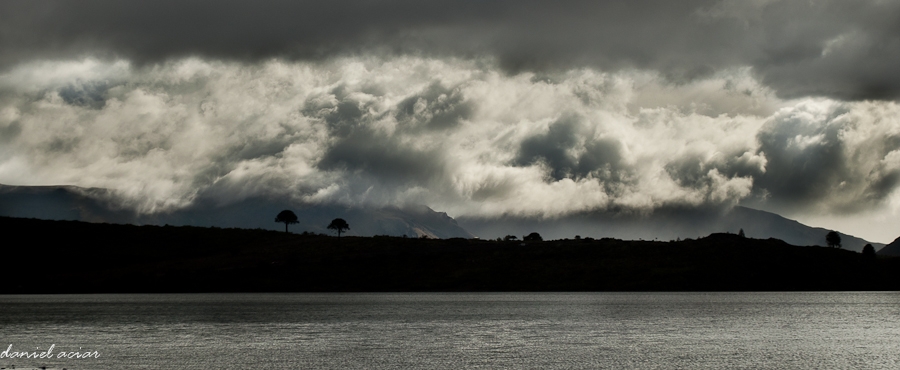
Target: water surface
x=458, y=330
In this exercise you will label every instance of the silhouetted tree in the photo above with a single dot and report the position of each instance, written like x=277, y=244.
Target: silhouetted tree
x=741, y=233
x=868, y=251
x=287, y=217
x=533, y=237
x=510, y=238
x=833, y=239
x=339, y=225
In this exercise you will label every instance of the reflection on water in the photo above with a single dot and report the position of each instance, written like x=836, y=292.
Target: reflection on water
x=458, y=330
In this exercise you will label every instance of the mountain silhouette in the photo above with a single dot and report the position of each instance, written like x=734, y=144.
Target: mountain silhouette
x=663, y=225
x=97, y=205
x=892, y=249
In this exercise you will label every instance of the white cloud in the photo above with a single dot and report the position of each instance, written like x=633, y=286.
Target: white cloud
x=460, y=136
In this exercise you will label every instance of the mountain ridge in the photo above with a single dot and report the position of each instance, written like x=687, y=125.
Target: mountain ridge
x=60, y=257
x=892, y=249
x=91, y=204
x=665, y=224
x=68, y=202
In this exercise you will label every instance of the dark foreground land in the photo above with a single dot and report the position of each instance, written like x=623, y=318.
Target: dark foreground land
x=76, y=257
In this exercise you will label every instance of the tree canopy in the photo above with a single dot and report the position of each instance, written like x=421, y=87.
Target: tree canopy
x=534, y=237
x=868, y=251
x=287, y=217
x=833, y=239
x=339, y=225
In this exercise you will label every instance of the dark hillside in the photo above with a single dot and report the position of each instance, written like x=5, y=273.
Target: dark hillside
x=892, y=249
x=78, y=257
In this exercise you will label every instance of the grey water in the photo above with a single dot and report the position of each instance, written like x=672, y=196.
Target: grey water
x=456, y=330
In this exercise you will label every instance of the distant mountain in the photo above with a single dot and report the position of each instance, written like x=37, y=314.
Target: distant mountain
x=96, y=205
x=59, y=203
x=892, y=249
x=758, y=223
x=664, y=224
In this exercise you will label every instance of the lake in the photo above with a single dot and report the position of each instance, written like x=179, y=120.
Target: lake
x=456, y=330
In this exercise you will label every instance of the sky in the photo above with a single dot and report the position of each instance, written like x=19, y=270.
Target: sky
x=475, y=108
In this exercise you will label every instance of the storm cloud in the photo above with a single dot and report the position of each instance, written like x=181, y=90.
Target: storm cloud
x=837, y=49
x=459, y=136
x=484, y=109
x=840, y=157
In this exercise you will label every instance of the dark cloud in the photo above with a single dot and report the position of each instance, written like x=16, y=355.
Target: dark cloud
x=10, y=132
x=385, y=159
x=366, y=152
x=569, y=150
x=804, y=162
x=553, y=148
x=92, y=94
x=603, y=160
x=436, y=108
x=148, y=32
x=846, y=50
x=691, y=170
x=815, y=160
x=840, y=49
x=458, y=135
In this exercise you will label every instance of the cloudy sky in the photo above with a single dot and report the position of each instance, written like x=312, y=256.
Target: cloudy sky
x=477, y=108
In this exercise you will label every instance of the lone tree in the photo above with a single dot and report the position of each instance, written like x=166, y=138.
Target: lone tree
x=287, y=217
x=533, y=237
x=868, y=251
x=339, y=225
x=741, y=233
x=833, y=239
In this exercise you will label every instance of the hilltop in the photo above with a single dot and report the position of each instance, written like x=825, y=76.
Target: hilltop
x=102, y=205
x=892, y=249
x=80, y=257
